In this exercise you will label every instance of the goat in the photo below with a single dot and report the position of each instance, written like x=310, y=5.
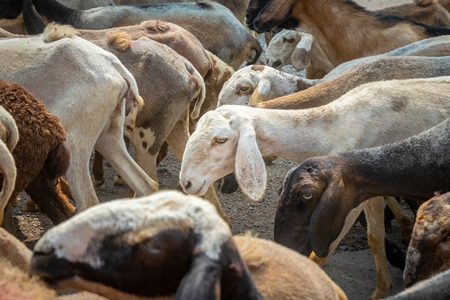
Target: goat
x=234, y=138
x=298, y=48
x=436, y=288
x=38, y=65
x=41, y=155
x=347, y=31
x=234, y=45
x=329, y=187
x=427, y=253
x=9, y=136
x=183, y=248
x=238, y=8
x=268, y=88
x=385, y=68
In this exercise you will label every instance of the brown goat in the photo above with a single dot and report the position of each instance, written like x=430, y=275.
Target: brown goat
x=343, y=29
x=429, y=249
x=40, y=155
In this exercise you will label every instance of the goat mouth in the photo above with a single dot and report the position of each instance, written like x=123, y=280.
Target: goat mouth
x=197, y=193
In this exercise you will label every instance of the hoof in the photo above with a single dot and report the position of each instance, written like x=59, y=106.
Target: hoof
x=98, y=183
x=30, y=206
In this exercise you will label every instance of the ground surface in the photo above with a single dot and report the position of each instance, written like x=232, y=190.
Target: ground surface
x=352, y=265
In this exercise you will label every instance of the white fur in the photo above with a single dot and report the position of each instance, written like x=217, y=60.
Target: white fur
x=84, y=86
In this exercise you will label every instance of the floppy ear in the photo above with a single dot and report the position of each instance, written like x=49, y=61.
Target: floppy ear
x=202, y=282
x=250, y=168
x=328, y=217
x=301, y=56
x=261, y=93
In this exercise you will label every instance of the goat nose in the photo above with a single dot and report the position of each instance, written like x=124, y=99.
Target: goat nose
x=276, y=63
x=187, y=185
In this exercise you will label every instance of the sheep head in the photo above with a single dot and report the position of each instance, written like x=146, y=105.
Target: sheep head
x=249, y=84
x=429, y=248
x=224, y=142
x=312, y=206
x=281, y=47
x=164, y=244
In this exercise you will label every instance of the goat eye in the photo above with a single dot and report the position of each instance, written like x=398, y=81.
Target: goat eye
x=220, y=140
x=243, y=88
x=286, y=40
x=307, y=194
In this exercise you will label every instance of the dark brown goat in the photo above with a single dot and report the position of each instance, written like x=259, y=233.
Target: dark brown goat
x=343, y=29
x=41, y=155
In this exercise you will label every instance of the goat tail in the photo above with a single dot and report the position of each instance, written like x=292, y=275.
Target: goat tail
x=57, y=162
x=255, y=50
x=54, y=31
x=200, y=92
x=8, y=168
x=120, y=39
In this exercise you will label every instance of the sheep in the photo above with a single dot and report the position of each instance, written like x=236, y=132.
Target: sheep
x=234, y=138
x=41, y=155
x=427, y=253
x=436, y=287
x=268, y=88
x=9, y=136
x=234, y=45
x=297, y=47
x=183, y=248
x=38, y=66
x=238, y=8
x=334, y=184
x=170, y=34
x=343, y=29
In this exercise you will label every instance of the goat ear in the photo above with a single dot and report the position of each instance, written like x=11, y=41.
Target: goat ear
x=261, y=93
x=250, y=168
x=202, y=281
x=301, y=56
x=328, y=217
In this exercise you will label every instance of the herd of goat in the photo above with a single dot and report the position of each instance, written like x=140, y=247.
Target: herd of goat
x=368, y=124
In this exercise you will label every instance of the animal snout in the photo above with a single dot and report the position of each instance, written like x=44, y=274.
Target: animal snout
x=187, y=185
x=273, y=64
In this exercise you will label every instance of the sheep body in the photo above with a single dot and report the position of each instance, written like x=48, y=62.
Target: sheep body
x=38, y=65
x=40, y=155
x=234, y=46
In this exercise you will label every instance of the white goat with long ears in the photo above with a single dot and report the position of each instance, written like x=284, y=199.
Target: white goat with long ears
x=253, y=84
x=234, y=138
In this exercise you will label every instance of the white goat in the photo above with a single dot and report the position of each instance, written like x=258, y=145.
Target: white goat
x=184, y=248
x=256, y=84
x=98, y=85
x=253, y=84
x=9, y=136
x=234, y=138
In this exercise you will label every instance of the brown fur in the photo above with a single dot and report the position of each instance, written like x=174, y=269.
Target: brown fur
x=349, y=34
x=119, y=39
x=277, y=271
x=40, y=155
x=429, y=248
x=54, y=32
x=431, y=14
x=381, y=69
x=17, y=284
x=172, y=35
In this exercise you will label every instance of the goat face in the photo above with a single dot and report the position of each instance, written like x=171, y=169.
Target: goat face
x=311, y=211
x=429, y=248
x=262, y=15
